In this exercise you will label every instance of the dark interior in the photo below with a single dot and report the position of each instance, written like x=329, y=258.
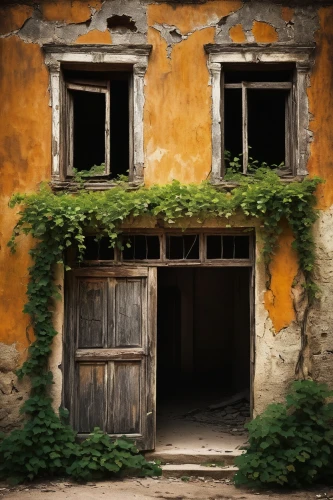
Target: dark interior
x=119, y=126
x=266, y=124
x=89, y=122
x=266, y=115
x=89, y=129
x=203, y=332
x=98, y=248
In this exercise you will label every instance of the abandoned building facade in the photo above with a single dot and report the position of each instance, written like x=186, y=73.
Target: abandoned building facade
x=158, y=90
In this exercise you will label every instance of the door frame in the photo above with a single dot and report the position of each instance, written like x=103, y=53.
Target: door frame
x=110, y=268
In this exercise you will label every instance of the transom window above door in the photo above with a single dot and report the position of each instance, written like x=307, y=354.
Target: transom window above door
x=173, y=248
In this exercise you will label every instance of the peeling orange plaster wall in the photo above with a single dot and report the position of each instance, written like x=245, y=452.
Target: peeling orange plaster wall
x=72, y=12
x=287, y=14
x=177, y=113
x=12, y=17
x=284, y=267
x=321, y=106
x=95, y=36
x=237, y=34
x=191, y=17
x=177, y=126
x=264, y=32
x=25, y=131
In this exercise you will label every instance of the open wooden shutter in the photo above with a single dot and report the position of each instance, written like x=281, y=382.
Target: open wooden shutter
x=109, y=352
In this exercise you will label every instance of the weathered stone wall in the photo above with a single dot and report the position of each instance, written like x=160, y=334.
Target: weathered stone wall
x=12, y=391
x=177, y=127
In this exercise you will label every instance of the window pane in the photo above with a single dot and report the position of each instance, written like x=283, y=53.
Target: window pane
x=256, y=73
x=184, y=247
x=141, y=247
x=98, y=250
x=228, y=247
x=89, y=129
x=119, y=127
x=233, y=122
x=242, y=247
x=266, y=125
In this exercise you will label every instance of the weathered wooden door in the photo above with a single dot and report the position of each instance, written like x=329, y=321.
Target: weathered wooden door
x=109, y=352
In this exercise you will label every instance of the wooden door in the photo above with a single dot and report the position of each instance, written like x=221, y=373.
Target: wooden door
x=109, y=352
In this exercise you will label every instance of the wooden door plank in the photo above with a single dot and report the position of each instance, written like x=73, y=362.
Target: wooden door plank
x=91, y=400
x=92, y=313
x=128, y=313
x=150, y=395
x=125, y=398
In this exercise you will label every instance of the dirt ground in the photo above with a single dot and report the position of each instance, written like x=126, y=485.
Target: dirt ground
x=145, y=489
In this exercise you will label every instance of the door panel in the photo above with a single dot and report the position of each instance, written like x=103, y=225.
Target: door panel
x=125, y=416
x=91, y=404
x=130, y=303
x=109, y=352
x=92, y=313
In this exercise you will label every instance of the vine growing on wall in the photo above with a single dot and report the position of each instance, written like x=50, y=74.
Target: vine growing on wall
x=58, y=221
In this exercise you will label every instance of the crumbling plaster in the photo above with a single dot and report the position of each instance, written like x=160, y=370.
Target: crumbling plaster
x=321, y=314
x=12, y=391
x=177, y=87
x=55, y=22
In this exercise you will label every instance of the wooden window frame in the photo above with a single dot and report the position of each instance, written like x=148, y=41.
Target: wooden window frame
x=298, y=144
x=289, y=113
x=58, y=57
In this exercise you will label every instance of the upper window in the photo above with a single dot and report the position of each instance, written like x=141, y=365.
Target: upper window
x=260, y=109
x=97, y=113
x=97, y=124
x=258, y=118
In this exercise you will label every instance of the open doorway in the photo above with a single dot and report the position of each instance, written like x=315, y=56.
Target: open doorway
x=203, y=355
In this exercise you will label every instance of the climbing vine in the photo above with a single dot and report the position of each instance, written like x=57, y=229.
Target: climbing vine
x=58, y=221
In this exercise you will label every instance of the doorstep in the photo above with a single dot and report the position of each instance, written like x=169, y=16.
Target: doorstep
x=199, y=471
x=198, y=457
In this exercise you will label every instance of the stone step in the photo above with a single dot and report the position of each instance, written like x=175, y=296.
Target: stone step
x=183, y=457
x=199, y=471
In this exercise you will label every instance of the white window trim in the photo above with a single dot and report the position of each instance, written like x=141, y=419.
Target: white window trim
x=135, y=55
x=219, y=54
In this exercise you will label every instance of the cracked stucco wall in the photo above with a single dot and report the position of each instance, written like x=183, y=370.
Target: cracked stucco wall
x=177, y=124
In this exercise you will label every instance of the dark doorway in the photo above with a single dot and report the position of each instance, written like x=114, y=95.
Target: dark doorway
x=203, y=338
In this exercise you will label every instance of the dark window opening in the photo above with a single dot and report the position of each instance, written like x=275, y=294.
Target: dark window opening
x=119, y=127
x=100, y=101
x=228, y=247
x=233, y=141
x=98, y=249
x=258, y=118
x=266, y=125
x=141, y=247
x=89, y=129
x=253, y=74
x=184, y=247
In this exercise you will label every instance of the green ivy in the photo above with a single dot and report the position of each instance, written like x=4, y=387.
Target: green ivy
x=59, y=221
x=291, y=444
